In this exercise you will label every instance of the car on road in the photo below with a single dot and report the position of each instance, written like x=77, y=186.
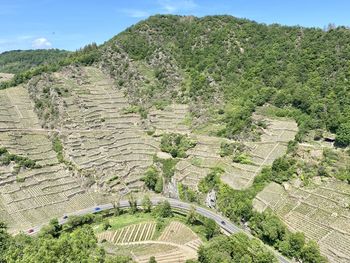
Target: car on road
x=97, y=208
x=31, y=230
x=65, y=217
x=223, y=223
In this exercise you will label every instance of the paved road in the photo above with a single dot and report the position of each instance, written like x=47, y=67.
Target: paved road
x=222, y=221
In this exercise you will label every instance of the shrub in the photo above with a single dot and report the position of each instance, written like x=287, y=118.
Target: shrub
x=176, y=144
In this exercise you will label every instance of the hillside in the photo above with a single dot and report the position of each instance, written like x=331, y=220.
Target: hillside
x=227, y=66
x=17, y=61
x=184, y=107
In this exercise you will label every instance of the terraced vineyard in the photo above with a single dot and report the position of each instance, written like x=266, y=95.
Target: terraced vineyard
x=321, y=211
x=5, y=76
x=170, y=119
x=30, y=197
x=132, y=233
x=97, y=135
x=206, y=154
x=177, y=242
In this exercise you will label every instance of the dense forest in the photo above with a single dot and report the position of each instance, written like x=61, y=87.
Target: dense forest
x=17, y=61
x=235, y=65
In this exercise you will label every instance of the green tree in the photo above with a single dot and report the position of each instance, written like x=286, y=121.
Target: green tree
x=234, y=248
x=343, y=135
x=151, y=178
x=176, y=144
x=146, y=204
x=163, y=209
x=267, y=227
x=211, y=229
x=212, y=180
x=132, y=203
x=311, y=253
x=106, y=224
x=4, y=241
x=152, y=260
x=191, y=217
x=292, y=245
x=159, y=185
x=53, y=228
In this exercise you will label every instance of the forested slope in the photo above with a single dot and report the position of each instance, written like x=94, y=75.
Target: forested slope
x=228, y=66
x=21, y=60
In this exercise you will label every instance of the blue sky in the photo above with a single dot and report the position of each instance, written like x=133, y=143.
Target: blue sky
x=27, y=24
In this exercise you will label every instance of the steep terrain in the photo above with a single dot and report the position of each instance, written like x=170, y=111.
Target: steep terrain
x=183, y=106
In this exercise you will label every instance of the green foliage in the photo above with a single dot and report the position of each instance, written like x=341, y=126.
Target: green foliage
x=292, y=73
x=228, y=149
x=132, y=203
x=168, y=167
x=85, y=56
x=235, y=204
x=106, y=224
x=17, y=61
x=191, y=216
x=329, y=156
x=343, y=135
x=58, y=148
x=176, y=144
x=343, y=174
x=151, y=177
x=163, y=210
x=311, y=254
x=146, y=204
x=4, y=241
x=186, y=193
x=267, y=227
x=152, y=260
x=271, y=230
x=236, y=248
x=283, y=169
x=153, y=180
x=159, y=185
x=53, y=246
x=242, y=158
x=292, y=245
x=212, y=180
x=53, y=229
x=211, y=228
x=6, y=158
x=76, y=221
x=131, y=109
x=136, y=109
x=236, y=150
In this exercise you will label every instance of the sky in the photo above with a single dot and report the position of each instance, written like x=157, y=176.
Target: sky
x=63, y=24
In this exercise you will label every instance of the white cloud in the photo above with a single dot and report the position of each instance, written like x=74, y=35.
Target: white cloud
x=136, y=13
x=41, y=43
x=172, y=6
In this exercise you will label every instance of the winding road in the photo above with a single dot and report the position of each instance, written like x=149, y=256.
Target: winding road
x=224, y=223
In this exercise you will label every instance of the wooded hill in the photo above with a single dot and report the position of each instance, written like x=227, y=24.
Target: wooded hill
x=225, y=67
x=16, y=61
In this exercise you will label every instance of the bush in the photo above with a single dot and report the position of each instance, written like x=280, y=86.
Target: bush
x=212, y=180
x=228, y=149
x=176, y=144
x=58, y=148
x=186, y=193
x=342, y=138
x=163, y=209
x=151, y=177
x=242, y=158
